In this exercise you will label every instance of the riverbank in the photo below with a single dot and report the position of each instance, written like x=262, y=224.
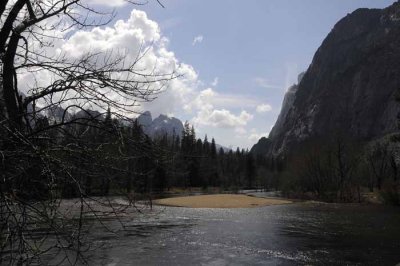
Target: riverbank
x=220, y=201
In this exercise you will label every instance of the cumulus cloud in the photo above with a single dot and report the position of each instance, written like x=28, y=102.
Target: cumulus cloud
x=222, y=118
x=202, y=100
x=129, y=38
x=208, y=115
x=197, y=39
x=263, y=108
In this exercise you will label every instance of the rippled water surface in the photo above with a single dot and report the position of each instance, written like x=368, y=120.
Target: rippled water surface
x=296, y=234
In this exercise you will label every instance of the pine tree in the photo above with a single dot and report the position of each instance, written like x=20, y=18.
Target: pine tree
x=213, y=149
x=185, y=142
x=199, y=147
x=206, y=145
x=250, y=170
x=192, y=136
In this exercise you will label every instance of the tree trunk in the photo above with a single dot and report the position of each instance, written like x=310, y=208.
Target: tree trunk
x=7, y=27
x=3, y=5
x=9, y=91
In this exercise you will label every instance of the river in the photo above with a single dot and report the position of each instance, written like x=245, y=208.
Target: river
x=303, y=233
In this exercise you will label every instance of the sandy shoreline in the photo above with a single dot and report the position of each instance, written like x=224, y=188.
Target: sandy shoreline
x=220, y=201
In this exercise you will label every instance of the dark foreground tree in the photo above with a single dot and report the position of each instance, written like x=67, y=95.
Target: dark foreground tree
x=42, y=160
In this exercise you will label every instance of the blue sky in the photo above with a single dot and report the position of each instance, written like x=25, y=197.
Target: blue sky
x=244, y=55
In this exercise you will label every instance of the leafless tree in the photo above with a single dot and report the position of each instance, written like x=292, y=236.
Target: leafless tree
x=34, y=161
x=379, y=160
x=329, y=170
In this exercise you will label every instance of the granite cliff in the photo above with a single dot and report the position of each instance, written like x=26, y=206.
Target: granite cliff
x=350, y=86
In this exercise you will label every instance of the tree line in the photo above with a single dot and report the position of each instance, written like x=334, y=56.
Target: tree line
x=341, y=169
x=119, y=158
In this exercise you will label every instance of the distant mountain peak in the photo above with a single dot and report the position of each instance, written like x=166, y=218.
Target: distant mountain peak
x=161, y=125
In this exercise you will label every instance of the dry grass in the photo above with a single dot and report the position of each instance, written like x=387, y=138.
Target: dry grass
x=220, y=201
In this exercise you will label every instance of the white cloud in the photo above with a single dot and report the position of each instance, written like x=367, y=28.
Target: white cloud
x=221, y=118
x=197, y=39
x=263, y=108
x=215, y=82
x=208, y=115
x=127, y=38
x=261, y=82
x=202, y=100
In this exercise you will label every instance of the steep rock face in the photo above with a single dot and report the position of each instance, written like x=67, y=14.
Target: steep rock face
x=287, y=104
x=261, y=147
x=350, y=86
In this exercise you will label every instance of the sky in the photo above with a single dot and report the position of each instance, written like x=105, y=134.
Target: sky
x=235, y=59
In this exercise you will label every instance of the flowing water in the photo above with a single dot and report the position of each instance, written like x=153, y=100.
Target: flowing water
x=295, y=234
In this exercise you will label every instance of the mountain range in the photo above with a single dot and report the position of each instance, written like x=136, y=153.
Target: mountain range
x=154, y=128
x=160, y=126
